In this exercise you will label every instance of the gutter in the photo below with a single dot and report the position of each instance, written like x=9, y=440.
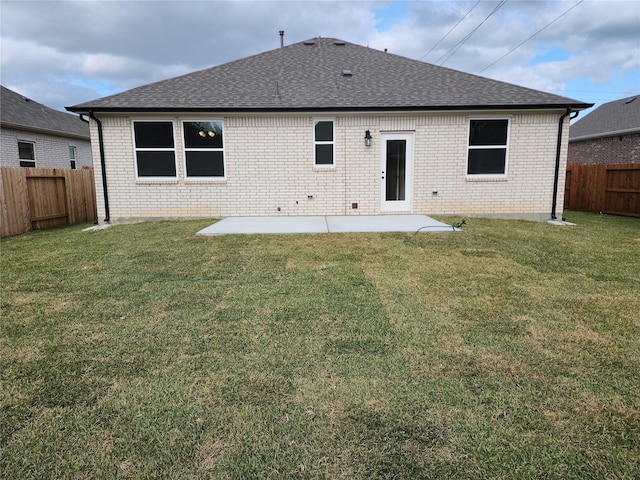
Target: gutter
x=350, y=109
x=613, y=133
x=102, y=166
x=47, y=131
x=558, y=150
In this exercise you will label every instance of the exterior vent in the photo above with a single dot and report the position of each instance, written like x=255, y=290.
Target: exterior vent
x=339, y=42
x=347, y=73
x=309, y=42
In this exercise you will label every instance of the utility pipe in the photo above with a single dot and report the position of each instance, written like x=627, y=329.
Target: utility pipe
x=102, y=166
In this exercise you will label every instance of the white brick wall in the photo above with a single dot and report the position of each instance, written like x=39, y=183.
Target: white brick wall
x=269, y=169
x=51, y=151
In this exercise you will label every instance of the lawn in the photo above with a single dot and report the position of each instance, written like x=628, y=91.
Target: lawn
x=510, y=350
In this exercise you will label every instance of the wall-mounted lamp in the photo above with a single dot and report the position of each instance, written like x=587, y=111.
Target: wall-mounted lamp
x=367, y=138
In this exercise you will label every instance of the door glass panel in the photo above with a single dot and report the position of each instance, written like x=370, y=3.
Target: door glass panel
x=395, y=172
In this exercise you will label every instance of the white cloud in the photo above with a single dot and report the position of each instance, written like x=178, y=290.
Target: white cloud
x=115, y=45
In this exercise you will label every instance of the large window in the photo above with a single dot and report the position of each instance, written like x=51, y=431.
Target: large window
x=323, y=142
x=203, y=149
x=26, y=154
x=488, y=145
x=155, y=148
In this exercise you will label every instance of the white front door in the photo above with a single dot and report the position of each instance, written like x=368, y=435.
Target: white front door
x=396, y=167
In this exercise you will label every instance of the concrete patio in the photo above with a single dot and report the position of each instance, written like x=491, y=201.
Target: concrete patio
x=326, y=224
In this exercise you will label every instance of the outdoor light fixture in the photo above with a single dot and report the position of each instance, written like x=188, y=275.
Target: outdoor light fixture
x=367, y=138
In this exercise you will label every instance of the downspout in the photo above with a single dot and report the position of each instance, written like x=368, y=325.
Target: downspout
x=102, y=166
x=557, y=171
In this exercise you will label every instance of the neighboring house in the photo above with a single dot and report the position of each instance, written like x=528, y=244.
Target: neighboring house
x=32, y=135
x=608, y=135
x=603, y=172
x=326, y=127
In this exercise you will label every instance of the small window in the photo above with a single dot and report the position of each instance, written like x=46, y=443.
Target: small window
x=155, y=149
x=26, y=154
x=72, y=157
x=203, y=149
x=323, y=140
x=488, y=145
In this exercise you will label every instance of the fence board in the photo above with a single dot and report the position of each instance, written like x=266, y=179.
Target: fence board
x=14, y=193
x=623, y=191
x=36, y=198
x=80, y=195
x=613, y=189
x=47, y=199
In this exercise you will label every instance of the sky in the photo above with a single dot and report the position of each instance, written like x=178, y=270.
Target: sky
x=62, y=53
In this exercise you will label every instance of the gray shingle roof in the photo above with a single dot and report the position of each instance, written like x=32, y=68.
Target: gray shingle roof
x=309, y=76
x=612, y=118
x=17, y=111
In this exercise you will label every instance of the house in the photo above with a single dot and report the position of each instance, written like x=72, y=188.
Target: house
x=610, y=134
x=327, y=127
x=32, y=135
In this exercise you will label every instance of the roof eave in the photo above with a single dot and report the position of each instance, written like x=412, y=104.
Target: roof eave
x=614, y=133
x=48, y=131
x=546, y=106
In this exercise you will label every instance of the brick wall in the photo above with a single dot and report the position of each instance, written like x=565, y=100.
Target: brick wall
x=618, y=149
x=51, y=151
x=269, y=169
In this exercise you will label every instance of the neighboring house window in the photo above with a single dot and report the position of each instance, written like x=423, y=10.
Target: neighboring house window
x=488, y=146
x=26, y=154
x=323, y=142
x=154, y=148
x=72, y=157
x=203, y=149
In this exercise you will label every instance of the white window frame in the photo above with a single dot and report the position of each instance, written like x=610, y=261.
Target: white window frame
x=487, y=147
x=155, y=149
x=33, y=149
x=73, y=153
x=324, y=142
x=185, y=149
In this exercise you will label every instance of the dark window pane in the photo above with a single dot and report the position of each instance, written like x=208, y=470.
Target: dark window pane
x=488, y=132
x=27, y=163
x=324, y=132
x=25, y=151
x=202, y=134
x=156, y=164
x=153, y=134
x=486, y=161
x=205, y=164
x=324, y=154
x=73, y=164
x=395, y=172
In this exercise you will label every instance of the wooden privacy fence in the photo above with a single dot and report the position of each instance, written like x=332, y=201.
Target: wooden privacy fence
x=37, y=198
x=613, y=189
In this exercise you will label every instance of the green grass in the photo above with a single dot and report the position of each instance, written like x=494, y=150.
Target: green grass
x=511, y=350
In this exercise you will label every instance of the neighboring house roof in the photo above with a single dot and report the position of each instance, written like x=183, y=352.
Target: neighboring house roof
x=612, y=118
x=326, y=74
x=22, y=113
